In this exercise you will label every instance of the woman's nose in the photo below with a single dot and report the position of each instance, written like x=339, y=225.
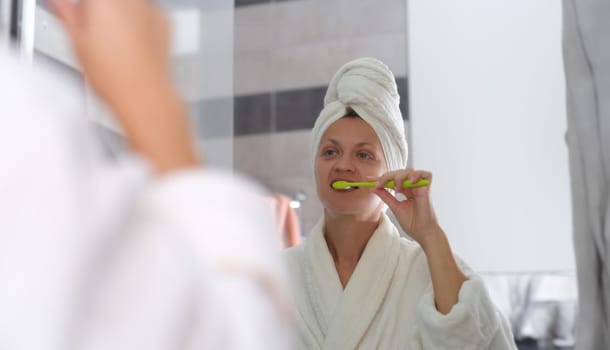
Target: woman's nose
x=345, y=163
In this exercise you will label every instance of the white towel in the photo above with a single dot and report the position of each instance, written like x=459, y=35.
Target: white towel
x=368, y=87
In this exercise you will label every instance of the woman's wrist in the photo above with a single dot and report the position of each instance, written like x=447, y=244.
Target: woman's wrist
x=141, y=92
x=447, y=278
x=157, y=125
x=431, y=239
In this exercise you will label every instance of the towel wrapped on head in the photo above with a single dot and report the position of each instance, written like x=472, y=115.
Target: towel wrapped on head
x=367, y=87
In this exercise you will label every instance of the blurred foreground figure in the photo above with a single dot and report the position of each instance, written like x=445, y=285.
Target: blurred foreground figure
x=152, y=252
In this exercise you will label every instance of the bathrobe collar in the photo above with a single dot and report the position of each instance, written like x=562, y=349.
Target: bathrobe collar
x=345, y=314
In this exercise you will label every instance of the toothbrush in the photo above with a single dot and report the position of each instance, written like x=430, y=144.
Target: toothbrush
x=346, y=185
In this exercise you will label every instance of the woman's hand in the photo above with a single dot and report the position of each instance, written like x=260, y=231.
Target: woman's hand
x=416, y=217
x=415, y=214
x=123, y=49
x=122, y=45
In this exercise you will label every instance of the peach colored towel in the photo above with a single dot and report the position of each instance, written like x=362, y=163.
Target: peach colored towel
x=287, y=221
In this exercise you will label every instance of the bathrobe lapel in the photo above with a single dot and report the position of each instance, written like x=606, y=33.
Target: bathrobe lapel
x=344, y=316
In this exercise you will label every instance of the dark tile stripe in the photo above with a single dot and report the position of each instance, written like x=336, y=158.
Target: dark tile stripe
x=403, y=90
x=294, y=109
x=239, y=3
x=252, y=114
x=298, y=109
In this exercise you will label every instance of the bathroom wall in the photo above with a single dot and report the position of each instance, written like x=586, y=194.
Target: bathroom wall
x=255, y=72
x=286, y=52
x=488, y=118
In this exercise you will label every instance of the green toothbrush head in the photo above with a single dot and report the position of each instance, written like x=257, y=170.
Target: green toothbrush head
x=341, y=185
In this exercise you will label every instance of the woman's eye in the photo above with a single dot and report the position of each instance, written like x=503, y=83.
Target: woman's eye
x=329, y=152
x=364, y=155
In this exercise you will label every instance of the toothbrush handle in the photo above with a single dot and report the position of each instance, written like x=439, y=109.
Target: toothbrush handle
x=408, y=184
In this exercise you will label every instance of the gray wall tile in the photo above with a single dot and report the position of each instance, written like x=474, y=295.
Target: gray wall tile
x=253, y=72
x=211, y=118
x=254, y=28
x=403, y=90
x=381, y=16
x=308, y=40
x=298, y=109
x=244, y=3
x=253, y=156
x=252, y=114
x=289, y=110
x=300, y=22
x=240, y=3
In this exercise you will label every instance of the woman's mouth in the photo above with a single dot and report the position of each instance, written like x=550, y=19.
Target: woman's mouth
x=340, y=186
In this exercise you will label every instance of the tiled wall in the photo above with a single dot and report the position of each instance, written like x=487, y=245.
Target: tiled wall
x=283, y=163
x=286, y=52
x=299, y=44
x=287, y=110
x=241, y=3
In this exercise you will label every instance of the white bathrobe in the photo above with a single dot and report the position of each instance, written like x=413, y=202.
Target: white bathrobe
x=388, y=302
x=96, y=254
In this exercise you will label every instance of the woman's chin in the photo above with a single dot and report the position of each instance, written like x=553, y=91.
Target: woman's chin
x=351, y=208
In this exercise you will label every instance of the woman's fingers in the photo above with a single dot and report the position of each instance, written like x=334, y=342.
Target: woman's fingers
x=399, y=177
x=420, y=175
x=393, y=176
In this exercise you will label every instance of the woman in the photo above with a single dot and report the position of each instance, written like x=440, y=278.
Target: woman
x=358, y=283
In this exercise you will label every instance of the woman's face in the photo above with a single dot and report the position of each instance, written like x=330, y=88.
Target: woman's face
x=350, y=151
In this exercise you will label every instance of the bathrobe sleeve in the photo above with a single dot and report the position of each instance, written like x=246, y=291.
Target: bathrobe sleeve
x=472, y=323
x=197, y=269
x=101, y=254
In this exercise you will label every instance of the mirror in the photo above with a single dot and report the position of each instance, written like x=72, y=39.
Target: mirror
x=483, y=96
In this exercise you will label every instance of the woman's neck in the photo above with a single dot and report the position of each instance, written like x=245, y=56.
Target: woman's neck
x=346, y=237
